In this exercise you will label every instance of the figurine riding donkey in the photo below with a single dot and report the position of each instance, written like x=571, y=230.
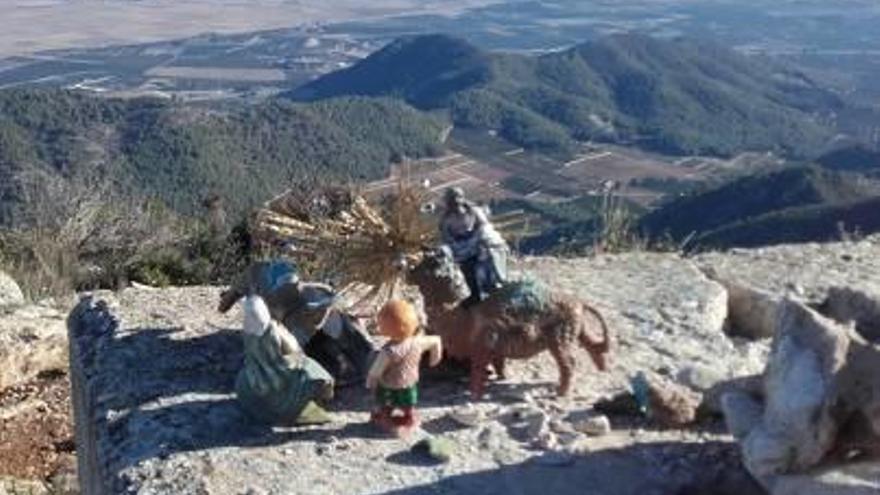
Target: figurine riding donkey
x=499, y=319
x=478, y=249
x=517, y=321
x=485, y=318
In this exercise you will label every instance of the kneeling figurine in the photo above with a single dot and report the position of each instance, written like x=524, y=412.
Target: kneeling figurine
x=307, y=310
x=279, y=384
x=394, y=375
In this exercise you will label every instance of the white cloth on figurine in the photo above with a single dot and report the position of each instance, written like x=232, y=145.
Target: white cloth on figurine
x=256, y=316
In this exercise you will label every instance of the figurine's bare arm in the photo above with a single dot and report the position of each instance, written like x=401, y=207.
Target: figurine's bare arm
x=432, y=345
x=228, y=299
x=241, y=286
x=376, y=370
x=289, y=345
x=481, y=219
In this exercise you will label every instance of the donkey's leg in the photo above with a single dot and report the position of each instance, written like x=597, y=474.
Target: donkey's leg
x=498, y=364
x=565, y=361
x=596, y=351
x=479, y=364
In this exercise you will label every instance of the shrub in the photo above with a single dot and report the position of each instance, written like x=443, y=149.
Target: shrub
x=84, y=238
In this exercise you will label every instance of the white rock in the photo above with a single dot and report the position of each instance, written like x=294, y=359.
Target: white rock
x=537, y=425
x=595, y=426
x=492, y=437
x=700, y=377
x=468, y=416
x=33, y=339
x=10, y=292
x=819, y=374
x=797, y=428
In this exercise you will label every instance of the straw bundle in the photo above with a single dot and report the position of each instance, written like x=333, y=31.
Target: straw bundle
x=345, y=240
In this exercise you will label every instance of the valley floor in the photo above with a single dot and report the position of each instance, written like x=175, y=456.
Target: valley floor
x=37, y=25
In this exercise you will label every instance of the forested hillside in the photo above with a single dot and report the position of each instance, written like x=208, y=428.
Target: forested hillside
x=814, y=223
x=182, y=153
x=853, y=158
x=795, y=204
x=679, y=97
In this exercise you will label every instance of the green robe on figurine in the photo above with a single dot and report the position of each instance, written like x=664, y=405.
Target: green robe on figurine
x=279, y=383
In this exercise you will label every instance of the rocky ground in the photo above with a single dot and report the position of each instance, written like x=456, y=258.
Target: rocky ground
x=191, y=437
x=36, y=430
x=36, y=424
x=159, y=414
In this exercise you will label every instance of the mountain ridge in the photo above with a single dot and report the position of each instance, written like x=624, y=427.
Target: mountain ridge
x=680, y=97
x=740, y=212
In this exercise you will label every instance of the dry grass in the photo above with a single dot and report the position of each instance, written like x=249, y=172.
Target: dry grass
x=845, y=234
x=76, y=235
x=617, y=230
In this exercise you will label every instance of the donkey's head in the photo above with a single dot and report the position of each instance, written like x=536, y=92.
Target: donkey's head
x=436, y=274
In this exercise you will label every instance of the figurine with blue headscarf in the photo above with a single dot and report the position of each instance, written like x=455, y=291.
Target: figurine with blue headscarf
x=279, y=383
x=307, y=310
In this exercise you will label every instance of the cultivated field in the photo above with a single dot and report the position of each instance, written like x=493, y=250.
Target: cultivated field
x=490, y=169
x=218, y=73
x=29, y=26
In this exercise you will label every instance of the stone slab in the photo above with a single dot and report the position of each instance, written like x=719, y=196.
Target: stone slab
x=801, y=271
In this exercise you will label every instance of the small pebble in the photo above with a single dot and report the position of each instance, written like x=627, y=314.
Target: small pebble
x=596, y=426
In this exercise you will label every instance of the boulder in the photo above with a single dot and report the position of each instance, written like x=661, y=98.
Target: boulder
x=33, y=339
x=10, y=292
x=796, y=429
x=822, y=380
x=751, y=312
x=751, y=386
x=665, y=402
x=861, y=306
x=801, y=271
x=742, y=413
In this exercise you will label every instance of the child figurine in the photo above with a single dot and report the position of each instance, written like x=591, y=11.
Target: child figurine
x=395, y=372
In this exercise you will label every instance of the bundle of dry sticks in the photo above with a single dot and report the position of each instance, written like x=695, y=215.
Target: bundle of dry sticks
x=344, y=239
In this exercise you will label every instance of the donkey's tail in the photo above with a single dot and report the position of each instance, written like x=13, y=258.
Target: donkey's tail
x=597, y=350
